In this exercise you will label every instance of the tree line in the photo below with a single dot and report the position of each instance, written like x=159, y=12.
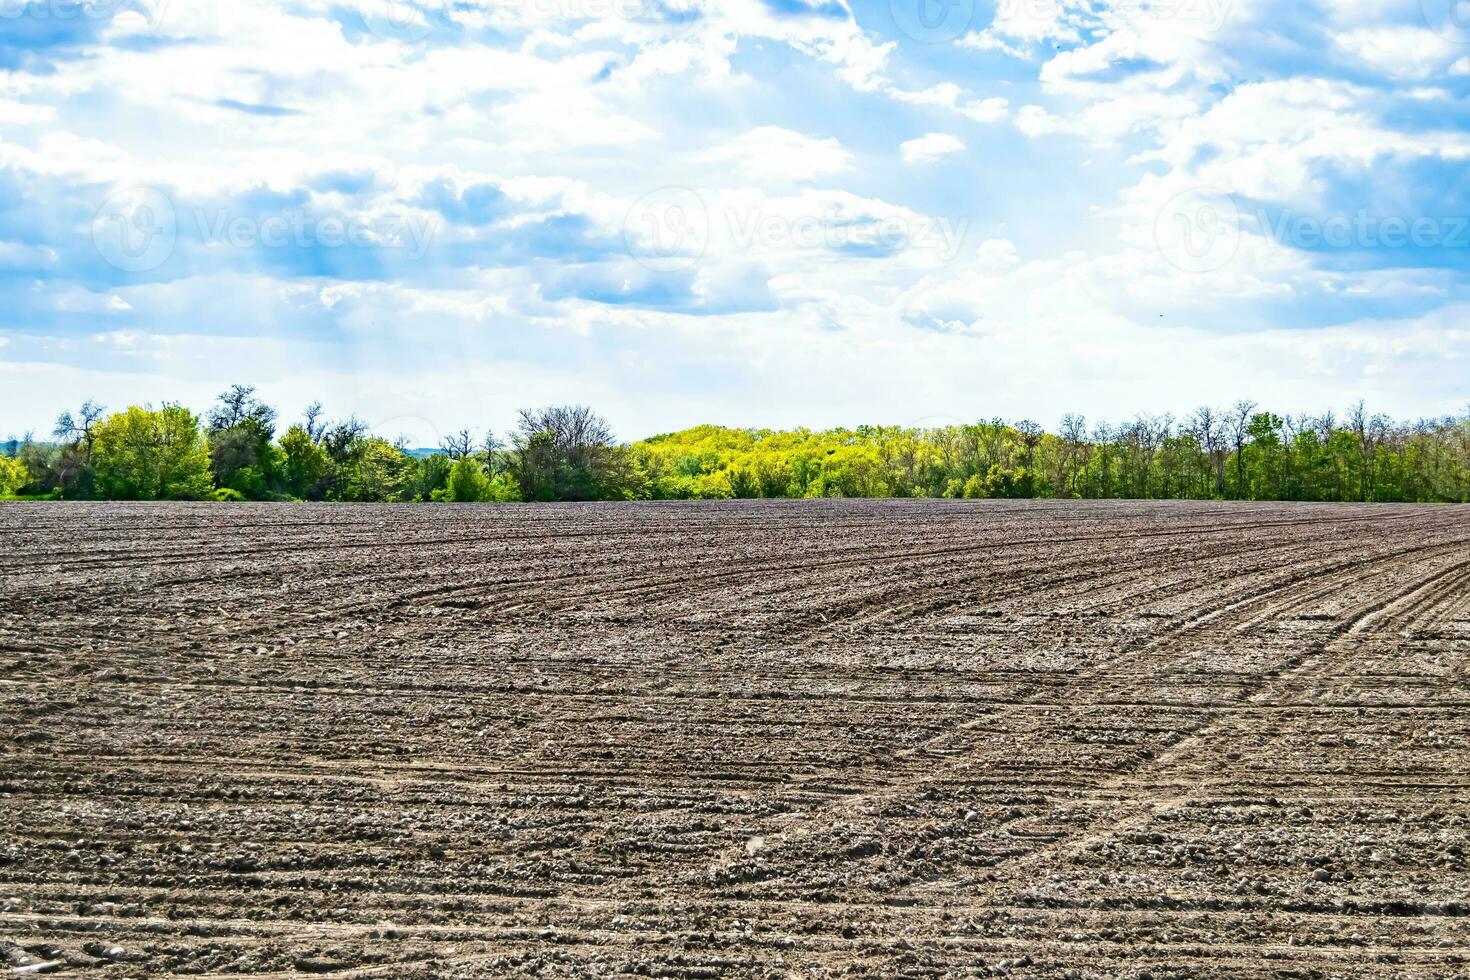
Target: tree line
x=236, y=451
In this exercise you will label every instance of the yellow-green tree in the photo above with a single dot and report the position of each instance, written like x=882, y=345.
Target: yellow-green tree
x=142, y=454
x=380, y=472
x=13, y=475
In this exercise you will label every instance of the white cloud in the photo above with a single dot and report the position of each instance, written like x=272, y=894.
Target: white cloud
x=930, y=148
x=1034, y=22
x=13, y=113
x=773, y=153
x=990, y=40
x=950, y=96
x=997, y=255
x=987, y=110
x=1400, y=52
x=1034, y=121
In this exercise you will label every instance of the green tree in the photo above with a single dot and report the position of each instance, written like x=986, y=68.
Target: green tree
x=568, y=453
x=141, y=454
x=432, y=476
x=380, y=472
x=242, y=457
x=70, y=468
x=467, y=483
x=344, y=444
x=1238, y=424
x=304, y=465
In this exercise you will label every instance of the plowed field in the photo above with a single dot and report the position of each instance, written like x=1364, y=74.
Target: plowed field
x=842, y=739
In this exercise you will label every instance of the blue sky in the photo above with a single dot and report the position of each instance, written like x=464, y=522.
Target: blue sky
x=772, y=212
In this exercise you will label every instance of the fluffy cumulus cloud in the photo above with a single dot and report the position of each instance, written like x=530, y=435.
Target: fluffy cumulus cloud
x=930, y=148
x=752, y=211
x=771, y=153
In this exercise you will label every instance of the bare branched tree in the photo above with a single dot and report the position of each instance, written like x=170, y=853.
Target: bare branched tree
x=568, y=453
x=239, y=406
x=1238, y=424
x=490, y=447
x=1031, y=434
x=316, y=426
x=1205, y=425
x=78, y=430
x=458, y=445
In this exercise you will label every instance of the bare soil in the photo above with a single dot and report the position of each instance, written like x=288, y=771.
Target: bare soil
x=846, y=739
